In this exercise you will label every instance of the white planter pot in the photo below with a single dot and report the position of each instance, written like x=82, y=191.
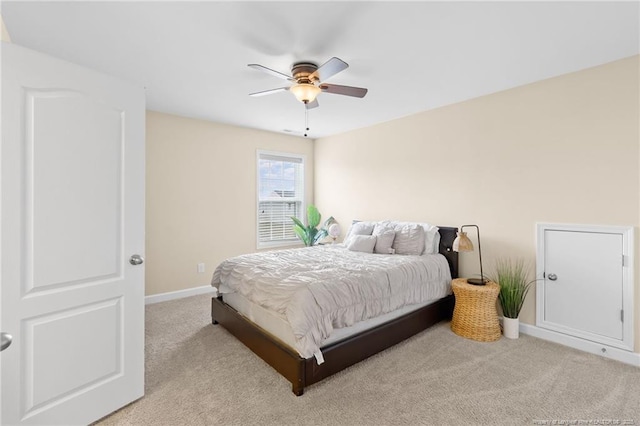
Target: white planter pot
x=511, y=328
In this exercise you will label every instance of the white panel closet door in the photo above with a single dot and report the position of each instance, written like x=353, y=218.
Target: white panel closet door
x=585, y=292
x=587, y=286
x=72, y=216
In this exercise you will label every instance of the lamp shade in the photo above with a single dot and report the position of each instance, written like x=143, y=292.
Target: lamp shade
x=462, y=243
x=305, y=92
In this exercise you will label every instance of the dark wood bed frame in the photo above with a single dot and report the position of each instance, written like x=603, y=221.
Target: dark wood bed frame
x=340, y=355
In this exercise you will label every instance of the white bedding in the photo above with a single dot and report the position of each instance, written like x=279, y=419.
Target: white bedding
x=317, y=289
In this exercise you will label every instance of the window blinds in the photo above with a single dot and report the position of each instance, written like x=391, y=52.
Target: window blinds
x=280, y=196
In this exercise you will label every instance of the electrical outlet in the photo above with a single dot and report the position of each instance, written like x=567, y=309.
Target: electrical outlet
x=200, y=268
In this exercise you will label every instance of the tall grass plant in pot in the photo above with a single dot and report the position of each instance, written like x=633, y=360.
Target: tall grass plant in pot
x=513, y=277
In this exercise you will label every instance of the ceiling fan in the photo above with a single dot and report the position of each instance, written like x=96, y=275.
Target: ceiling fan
x=309, y=81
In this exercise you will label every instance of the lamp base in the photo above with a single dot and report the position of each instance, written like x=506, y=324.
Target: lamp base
x=476, y=281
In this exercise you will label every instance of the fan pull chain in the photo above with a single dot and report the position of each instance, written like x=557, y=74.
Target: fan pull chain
x=306, y=121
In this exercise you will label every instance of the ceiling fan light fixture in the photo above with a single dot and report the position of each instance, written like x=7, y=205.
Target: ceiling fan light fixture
x=305, y=92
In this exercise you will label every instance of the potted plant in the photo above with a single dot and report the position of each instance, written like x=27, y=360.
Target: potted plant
x=513, y=278
x=310, y=234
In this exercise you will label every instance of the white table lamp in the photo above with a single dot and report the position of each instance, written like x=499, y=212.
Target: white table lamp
x=334, y=231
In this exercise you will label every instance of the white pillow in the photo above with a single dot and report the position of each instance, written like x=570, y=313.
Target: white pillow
x=385, y=236
x=436, y=242
x=409, y=239
x=432, y=239
x=359, y=228
x=431, y=233
x=363, y=243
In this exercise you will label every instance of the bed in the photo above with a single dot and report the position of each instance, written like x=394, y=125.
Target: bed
x=304, y=361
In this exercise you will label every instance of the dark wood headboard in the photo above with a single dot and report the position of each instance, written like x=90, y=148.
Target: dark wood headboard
x=447, y=235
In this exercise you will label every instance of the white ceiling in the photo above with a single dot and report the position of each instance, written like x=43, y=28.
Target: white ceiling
x=412, y=56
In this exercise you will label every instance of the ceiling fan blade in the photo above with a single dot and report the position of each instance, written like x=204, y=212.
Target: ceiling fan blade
x=357, y=92
x=270, y=71
x=269, y=92
x=330, y=68
x=311, y=105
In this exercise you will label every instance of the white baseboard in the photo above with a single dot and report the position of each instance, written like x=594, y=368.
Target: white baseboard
x=632, y=358
x=172, y=295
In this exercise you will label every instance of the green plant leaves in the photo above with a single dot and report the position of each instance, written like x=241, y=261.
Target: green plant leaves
x=313, y=216
x=301, y=231
x=513, y=279
x=310, y=235
x=297, y=223
x=320, y=235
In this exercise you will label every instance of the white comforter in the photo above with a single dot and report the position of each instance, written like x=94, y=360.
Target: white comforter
x=317, y=289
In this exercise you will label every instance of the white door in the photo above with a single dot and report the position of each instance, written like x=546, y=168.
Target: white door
x=583, y=288
x=72, y=215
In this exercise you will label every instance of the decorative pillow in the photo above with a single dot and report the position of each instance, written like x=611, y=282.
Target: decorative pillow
x=363, y=243
x=436, y=242
x=359, y=228
x=432, y=234
x=432, y=239
x=384, y=238
x=409, y=239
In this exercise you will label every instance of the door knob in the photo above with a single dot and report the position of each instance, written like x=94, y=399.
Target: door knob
x=6, y=341
x=552, y=277
x=136, y=259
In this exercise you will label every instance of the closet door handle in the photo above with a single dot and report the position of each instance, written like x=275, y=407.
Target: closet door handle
x=552, y=277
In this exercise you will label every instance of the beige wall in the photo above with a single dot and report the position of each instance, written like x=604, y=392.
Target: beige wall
x=561, y=150
x=201, y=195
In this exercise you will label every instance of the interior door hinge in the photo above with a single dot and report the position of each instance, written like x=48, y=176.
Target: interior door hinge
x=622, y=315
x=623, y=260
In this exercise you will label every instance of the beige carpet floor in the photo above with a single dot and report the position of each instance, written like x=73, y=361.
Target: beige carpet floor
x=198, y=374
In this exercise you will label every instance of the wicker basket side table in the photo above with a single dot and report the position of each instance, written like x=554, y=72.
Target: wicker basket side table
x=474, y=315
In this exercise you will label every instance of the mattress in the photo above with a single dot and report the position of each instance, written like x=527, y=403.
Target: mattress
x=278, y=326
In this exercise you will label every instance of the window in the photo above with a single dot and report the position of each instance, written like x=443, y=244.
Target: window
x=280, y=196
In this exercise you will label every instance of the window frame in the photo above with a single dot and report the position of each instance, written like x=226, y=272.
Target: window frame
x=303, y=200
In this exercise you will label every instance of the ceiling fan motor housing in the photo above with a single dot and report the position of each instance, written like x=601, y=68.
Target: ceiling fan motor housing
x=302, y=70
